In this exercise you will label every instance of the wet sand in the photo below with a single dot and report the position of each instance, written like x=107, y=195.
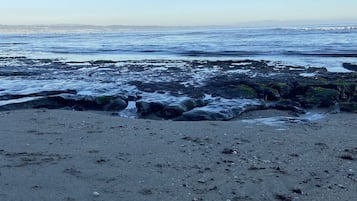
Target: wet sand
x=74, y=156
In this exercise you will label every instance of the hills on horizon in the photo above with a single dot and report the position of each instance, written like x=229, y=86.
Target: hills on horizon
x=4, y=28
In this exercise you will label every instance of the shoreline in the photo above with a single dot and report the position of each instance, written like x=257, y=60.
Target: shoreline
x=176, y=90
x=72, y=155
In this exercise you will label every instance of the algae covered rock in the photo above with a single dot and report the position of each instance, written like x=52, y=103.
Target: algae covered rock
x=349, y=106
x=246, y=91
x=237, y=91
x=283, y=88
x=266, y=92
x=221, y=109
x=321, y=97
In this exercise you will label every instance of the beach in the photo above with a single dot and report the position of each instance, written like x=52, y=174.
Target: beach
x=178, y=113
x=70, y=155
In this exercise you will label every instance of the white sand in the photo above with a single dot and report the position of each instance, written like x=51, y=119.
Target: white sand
x=74, y=156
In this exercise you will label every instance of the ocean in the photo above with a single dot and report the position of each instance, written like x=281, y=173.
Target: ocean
x=96, y=61
x=317, y=46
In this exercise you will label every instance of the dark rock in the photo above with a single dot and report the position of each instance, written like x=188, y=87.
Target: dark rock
x=243, y=91
x=321, y=97
x=176, y=109
x=345, y=91
x=166, y=106
x=297, y=191
x=116, y=104
x=228, y=151
x=283, y=197
x=207, y=114
x=172, y=87
x=347, y=157
x=108, y=103
x=101, y=62
x=35, y=102
x=267, y=93
x=286, y=104
x=76, y=102
x=51, y=93
x=348, y=106
x=148, y=107
x=222, y=109
x=350, y=66
x=38, y=94
x=17, y=73
x=230, y=87
x=236, y=91
x=354, y=98
x=283, y=88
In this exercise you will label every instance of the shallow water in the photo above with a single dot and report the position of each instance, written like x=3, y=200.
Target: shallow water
x=102, y=61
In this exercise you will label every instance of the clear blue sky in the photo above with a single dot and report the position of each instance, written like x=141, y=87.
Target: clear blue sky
x=173, y=12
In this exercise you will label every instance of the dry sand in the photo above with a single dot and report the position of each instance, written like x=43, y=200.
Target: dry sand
x=74, y=156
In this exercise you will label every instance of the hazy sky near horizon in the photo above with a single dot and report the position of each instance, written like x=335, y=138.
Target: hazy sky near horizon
x=173, y=12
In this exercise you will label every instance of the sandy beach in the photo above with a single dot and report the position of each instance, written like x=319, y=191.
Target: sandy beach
x=74, y=156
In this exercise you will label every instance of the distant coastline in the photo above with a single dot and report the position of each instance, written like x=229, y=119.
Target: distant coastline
x=87, y=28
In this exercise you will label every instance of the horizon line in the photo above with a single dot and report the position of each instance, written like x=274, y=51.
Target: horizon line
x=238, y=24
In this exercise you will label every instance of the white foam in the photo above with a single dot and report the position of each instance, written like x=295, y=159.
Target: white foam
x=130, y=111
x=282, y=121
x=18, y=100
x=307, y=74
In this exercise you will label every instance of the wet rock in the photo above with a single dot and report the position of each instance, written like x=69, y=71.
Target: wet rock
x=321, y=97
x=166, y=106
x=116, y=104
x=350, y=66
x=176, y=109
x=72, y=101
x=283, y=88
x=153, y=87
x=266, y=92
x=37, y=94
x=110, y=103
x=17, y=73
x=345, y=91
x=35, y=102
x=286, y=104
x=354, y=98
x=348, y=106
x=222, y=109
x=230, y=87
x=102, y=62
x=243, y=91
x=107, y=103
x=145, y=107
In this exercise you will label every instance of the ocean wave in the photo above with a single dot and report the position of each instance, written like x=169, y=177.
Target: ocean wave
x=321, y=28
x=219, y=53
x=73, y=52
x=6, y=43
x=321, y=54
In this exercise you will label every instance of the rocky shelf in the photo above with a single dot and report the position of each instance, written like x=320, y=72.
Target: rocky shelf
x=228, y=89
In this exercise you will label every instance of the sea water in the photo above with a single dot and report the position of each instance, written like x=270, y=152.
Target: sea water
x=48, y=58
x=317, y=46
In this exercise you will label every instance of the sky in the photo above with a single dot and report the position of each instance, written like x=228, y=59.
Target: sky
x=175, y=12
